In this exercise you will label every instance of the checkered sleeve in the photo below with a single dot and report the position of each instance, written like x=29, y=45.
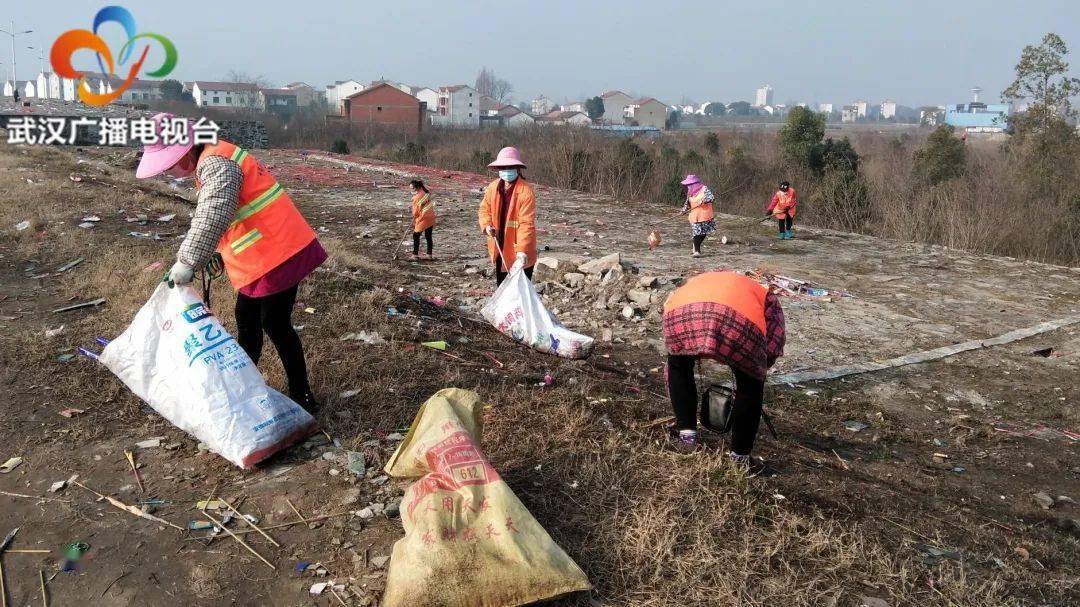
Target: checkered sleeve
x=774, y=328
x=221, y=181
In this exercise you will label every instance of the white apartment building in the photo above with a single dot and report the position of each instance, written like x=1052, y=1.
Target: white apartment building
x=235, y=95
x=763, y=96
x=337, y=93
x=458, y=106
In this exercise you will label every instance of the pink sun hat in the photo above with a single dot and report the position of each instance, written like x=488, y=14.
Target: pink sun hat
x=691, y=179
x=157, y=157
x=508, y=158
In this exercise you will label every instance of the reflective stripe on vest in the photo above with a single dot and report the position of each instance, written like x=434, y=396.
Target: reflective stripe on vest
x=512, y=224
x=744, y=295
x=426, y=204
x=266, y=229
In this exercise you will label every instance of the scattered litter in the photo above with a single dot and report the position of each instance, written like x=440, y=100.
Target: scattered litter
x=54, y=332
x=69, y=413
x=318, y=588
x=356, y=463
x=1022, y=552
x=211, y=505
x=69, y=265
x=72, y=553
x=309, y=310
x=86, y=225
x=793, y=287
x=85, y=304
x=57, y=486
x=435, y=345
x=379, y=562
x=91, y=218
x=932, y=555
x=11, y=464
x=350, y=393
x=959, y=469
x=395, y=437
x=150, y=443
x=200, y=525
x=167, y=218
x=855, y=425
x=65, y=358
x=157, y=265
x=301, y=566
x=1042, y=432
x=372, y=339
x=940, y=443
x=22, y=225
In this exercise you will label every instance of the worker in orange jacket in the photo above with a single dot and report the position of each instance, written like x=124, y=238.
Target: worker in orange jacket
x=508, y=216
x=423, y=212
x=782, y=207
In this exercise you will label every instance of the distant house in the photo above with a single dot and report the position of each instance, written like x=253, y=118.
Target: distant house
x=576, y=106
x=386, y=106
x=337, y=93
x=225, y=95
x=20, y=85
x=489, y=107
x=888, y=109
x=825, y=108
x=429, y=96
x=567, y=118
x=513, y=117
x=281, y=102
x=140, y=91
x=541, y=105
x=977, y=117
x=646, y=112
x=458, y=107
x=615, y=103
x=862, y=108
x=850, y=113
x=306, y=95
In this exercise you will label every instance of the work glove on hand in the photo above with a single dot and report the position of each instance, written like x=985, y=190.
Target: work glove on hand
x=490, y=231
x=179, y=274
x=523, y=258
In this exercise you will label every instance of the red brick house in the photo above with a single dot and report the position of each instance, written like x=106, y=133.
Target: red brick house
x=388, y=106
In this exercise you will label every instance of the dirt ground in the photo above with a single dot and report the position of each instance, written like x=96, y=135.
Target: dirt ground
x=931, y=502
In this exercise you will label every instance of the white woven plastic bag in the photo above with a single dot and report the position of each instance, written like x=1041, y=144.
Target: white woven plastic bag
x=516, y=310
x=178, y=358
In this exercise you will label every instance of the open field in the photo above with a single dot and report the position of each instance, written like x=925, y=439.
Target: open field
x=848, y=516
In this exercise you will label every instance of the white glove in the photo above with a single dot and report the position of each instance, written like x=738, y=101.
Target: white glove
x=490, y=231
x=522, y=258
x=179, y=274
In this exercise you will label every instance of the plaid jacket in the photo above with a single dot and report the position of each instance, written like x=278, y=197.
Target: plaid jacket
x=716, y=331
x=220, y=182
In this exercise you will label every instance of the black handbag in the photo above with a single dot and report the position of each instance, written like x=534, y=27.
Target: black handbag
x=716, y=410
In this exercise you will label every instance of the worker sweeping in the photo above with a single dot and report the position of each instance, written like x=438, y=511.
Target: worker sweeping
x=699, y=206
x=782, y=207
x=423, y=212
x=734, y=320
x=265, y=244
x=508, y=216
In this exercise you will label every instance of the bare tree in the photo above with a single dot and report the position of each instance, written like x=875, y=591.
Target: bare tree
x=488, y=83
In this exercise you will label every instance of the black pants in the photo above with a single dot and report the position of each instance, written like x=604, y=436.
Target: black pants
x=273, y=314
x=697, y=243
x=785, y=221
x=416, y=241
x=501, y=276
x=749, y=393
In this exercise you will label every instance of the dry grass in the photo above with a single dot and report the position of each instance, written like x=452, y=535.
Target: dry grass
x=649, y=527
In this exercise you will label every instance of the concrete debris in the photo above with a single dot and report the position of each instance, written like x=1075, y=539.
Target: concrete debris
x=604, y=264
x=574, y=280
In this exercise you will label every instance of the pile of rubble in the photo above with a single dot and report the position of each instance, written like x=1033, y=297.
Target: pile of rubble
x=607, y=295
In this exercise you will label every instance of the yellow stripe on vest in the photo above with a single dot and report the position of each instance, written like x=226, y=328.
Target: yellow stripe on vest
x=512, y=224
x=240, y=244
x=238, y=155
x=258, y=204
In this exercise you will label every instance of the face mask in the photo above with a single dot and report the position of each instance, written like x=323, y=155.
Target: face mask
x=183, y=168
x=508, y=175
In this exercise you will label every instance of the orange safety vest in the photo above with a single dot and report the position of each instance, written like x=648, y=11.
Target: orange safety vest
x=520, y=222
x=744, y=295
x=785, y=204
x=267, y=229
x=700, y=210
x=423, y=210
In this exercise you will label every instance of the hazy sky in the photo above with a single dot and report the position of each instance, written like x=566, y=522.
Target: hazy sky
x=915, y=52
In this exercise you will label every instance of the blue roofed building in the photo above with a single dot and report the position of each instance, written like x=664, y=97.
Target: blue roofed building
x=978, y=117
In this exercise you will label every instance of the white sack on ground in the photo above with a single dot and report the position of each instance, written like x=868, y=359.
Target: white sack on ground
x=516, y=311
x=178, y=358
